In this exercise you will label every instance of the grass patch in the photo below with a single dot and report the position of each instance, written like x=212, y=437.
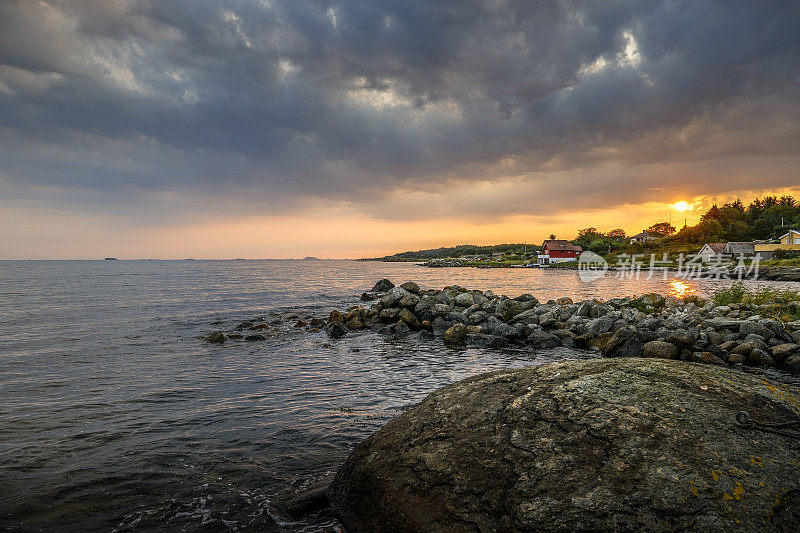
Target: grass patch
x=772, y=302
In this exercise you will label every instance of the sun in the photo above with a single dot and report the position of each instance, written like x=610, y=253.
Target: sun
x=683, y=206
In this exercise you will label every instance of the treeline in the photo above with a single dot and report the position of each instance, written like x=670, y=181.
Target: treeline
x=458, y=251
x=763, y=219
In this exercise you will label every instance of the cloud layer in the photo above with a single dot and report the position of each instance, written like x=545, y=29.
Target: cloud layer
x=393, y=108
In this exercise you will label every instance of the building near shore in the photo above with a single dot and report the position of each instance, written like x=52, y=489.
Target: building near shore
x=789, y=241
x=712, y=251
x=558, y=251
x=644, y=236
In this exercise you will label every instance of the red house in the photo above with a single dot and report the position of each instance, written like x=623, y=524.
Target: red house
x=558, y=251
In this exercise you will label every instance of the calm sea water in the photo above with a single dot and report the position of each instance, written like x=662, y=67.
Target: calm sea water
x=115, y=415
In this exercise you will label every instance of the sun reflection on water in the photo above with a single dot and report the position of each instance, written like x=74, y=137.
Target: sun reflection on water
x=681, y=289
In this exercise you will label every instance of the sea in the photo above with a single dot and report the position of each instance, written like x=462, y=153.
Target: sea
x=115, y=415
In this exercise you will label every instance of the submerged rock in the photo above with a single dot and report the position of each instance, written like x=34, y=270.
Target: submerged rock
x=604, y=444
x=216, y=338
x=336, y=330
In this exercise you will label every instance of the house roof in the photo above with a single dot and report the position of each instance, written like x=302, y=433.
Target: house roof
x=789, y=232
x=716, y=247
x=740, y=248
x=642, y=235
x=561, y=246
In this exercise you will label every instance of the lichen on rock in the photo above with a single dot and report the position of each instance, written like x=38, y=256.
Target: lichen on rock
x=608, y=444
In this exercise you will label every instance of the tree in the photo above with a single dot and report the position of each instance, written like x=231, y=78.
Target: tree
x=587, y=235
x=617, y=234
x=552, y=236
x=665, y=229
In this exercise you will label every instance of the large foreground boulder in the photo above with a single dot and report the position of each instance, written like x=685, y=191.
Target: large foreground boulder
x=598, y=445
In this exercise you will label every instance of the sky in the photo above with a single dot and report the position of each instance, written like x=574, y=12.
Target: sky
x=345, y=129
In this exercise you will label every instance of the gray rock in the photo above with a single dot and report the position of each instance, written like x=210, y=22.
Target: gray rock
x=439, y=326
x=596, y=445
x=547, y=320
x=393, y=297
x=585, y=307
x=759, y=357
x=464, y=299
x=411, y=287
x=336, y=330
x=600, y=325
x=750, y=327
x=599, y=310
x=483, y=340
x=781, y=352
x=390, y=314
x=526, y=317
x=660, y=349
x=477, y=317
x=624, y=342
x=409, y=300
x=722, y=323
x=401, y=328
x=543, y=340
x=508, y=309
x=383, y=285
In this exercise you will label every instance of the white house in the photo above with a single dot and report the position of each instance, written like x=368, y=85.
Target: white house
x=711, y=251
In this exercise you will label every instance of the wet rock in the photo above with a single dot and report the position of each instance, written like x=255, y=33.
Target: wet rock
x=439, y=326
x=454, y=336
x=392, y=314
x=478, y=316
x=543, y=341
x=318, y=323
x=711, y=359
x=258, y=327
x=660, y=349
x=368, y=296
x=598, y=445
x=307, y=498
x=255, y=338
x=355, y=324
x=244, y=325
x=736, y=358
x=401, y=328
x=409, y=318
x=336, y=316
x=300, y=323
x=336, y=330
x=759, y=357
x=216, y=338
x=411, y=287
x=383, y=285
x=482, y=340
x=393, y=297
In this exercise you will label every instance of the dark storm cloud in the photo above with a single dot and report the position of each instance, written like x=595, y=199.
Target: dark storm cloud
x=296, y=101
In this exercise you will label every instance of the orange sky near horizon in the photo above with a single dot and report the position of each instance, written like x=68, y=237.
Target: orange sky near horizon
x=331, y=233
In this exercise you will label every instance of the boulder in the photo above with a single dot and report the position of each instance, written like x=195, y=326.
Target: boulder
x=625, y=342
x=508, y=309
x=244, y=325
x=759, y=357
x=354, y=323
x=793, y=364
x=482, y=340
x=336, y=330
x=455, y=334
x=317, y=322
x=409, y=318
x=600, y=325
x=465, y=299
x=543, y=341
x=409, y=300
x=383, y=285
x=781, y=352
x=393, y=297
x=410, y=286
x=593, y=445
x=336, y=316
x=660, y=349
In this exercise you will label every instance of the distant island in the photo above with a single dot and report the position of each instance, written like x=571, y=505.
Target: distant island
x=110, y=259
x=465, y=252
x=311, y=258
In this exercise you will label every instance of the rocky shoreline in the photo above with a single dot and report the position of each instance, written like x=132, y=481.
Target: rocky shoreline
x=646, y=326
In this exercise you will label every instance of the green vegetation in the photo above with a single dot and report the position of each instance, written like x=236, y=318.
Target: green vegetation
x=776, y=303
x=463, y=250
